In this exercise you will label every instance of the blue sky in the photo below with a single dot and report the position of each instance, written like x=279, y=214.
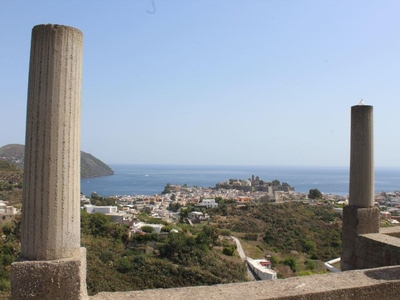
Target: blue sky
x=218, y=82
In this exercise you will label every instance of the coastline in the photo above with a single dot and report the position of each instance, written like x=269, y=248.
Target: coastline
x=137, y=179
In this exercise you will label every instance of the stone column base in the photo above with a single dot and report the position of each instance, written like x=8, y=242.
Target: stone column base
x=356, y=221
x=54, y=279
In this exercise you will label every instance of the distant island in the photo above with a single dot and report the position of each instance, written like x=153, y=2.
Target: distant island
x=90, y=165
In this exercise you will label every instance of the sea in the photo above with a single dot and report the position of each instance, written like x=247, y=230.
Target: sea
x=135, y=179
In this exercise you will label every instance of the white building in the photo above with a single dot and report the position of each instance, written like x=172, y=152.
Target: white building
x=91, y=209
x=137, y=227
x=121, y=217
x=197, y=216
x=262, y=268
x=6, y=212
x=209, y=203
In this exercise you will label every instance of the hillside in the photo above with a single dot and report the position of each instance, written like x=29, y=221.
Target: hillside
x=90, y=165
x=295, y=237
x=93, y=167
x=13, y=153
x=11, y=178
x=291, y=226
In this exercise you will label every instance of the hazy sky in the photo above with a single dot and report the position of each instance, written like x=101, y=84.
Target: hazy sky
x=218, y=82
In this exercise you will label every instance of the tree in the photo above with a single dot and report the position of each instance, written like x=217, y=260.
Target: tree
x=212, y=233
x=148, y=229
x=291, y=262
x=98, y=224
x=167, y=189
x=315, y=194
x=274, y=260
x=174, y=206
x=276, y=182
x=229, y=250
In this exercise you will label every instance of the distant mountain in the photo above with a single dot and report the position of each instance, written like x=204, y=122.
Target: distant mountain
x=93, y=167
x=90, y=165
x=13, y=153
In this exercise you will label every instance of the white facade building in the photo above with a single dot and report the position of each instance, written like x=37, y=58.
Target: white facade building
x=209, y=203
x=262, y=268
x=137, y=226
x=91, y=209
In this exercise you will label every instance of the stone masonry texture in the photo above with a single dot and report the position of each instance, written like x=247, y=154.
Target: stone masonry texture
x=356, y=221
x=60, y=279
x=369, y=284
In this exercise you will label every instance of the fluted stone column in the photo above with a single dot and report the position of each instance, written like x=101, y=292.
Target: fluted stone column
x=52, y=264
x=360, y=216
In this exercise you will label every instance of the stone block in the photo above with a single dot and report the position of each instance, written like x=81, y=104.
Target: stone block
x=50, y=280
x=356, y=221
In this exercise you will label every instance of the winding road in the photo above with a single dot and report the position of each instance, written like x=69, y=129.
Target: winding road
x=243, y=256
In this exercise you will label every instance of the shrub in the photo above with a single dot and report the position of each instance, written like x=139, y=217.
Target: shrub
x=147, y=229
x=107, y=256
x=225, y=232
x=251, y=237
x=230, y=250
x=310, y=264
x=123, y=265
x=291, y=262
x=274, y=260
x=4, y=285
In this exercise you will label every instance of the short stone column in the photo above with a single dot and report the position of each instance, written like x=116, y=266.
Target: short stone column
x=52, y=265
x=360, y=216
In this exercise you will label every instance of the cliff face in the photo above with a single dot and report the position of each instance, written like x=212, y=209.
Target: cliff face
x=90, y=165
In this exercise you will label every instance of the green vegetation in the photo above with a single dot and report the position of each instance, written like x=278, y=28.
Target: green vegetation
x=97, y=200
x=276, y=182
x=11, y=182
x=191, y=257
x=174, y=206
x=9, y=251
x=315, y=194
x=167, y=189
x=295, y=237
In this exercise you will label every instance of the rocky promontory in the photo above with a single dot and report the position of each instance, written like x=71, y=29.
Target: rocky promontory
x=90, y=165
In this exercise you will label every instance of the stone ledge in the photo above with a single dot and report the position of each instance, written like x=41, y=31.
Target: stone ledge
x=54, y=279
x=386, y=238
x=392, y=231
x=380, y=283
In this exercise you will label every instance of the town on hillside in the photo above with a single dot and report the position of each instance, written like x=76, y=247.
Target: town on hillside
x=166, y=206
x=175, y=198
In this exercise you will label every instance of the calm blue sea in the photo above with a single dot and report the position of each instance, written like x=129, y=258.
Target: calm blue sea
x=151, y=179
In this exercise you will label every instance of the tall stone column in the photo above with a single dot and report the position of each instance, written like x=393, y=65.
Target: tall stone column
x=360, y=216
x=362, y=187
x=52, y=265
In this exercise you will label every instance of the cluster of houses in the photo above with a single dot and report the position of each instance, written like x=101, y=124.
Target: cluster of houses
x=389, y=204
x=127, y=214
